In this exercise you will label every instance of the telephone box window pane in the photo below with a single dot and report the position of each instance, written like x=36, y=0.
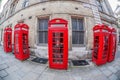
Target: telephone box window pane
x=57, y=47
x=114, y=45
x=96, y=46
x=119, y=38
x=61, y=34
x=9, y=41
x=105, y=47
x=56, y=34
x=77, y=31
x=16, y=42
x=54, y=40
x=25, y=43
x=61, y=40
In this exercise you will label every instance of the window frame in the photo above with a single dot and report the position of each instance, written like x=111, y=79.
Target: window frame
x=99, y=4
x=78, y=45
x=38, y=31
x=119, y=38
x=13, y=7
x=24, y=4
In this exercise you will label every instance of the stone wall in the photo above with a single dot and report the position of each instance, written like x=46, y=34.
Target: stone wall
x=55, y=9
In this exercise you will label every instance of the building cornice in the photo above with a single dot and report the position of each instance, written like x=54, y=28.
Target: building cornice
x=40, y=3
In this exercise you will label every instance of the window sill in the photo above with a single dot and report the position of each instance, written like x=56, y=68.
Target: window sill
x=44, y=45
x=78, y=45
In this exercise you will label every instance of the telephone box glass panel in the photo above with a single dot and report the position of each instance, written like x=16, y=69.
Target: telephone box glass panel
x=8, y=40
x=96, y=46
x=58, y=47
x=16, y=43
x=105, y=47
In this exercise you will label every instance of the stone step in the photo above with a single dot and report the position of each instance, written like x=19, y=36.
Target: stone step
x=75, y=53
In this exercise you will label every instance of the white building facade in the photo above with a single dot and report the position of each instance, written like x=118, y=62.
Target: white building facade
x=81, y=15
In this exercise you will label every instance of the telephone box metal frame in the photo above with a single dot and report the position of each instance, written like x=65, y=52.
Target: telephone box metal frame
x=7, y=39
x=101, y=44
x=112, y=44
x=58, y=43
x=21, y=47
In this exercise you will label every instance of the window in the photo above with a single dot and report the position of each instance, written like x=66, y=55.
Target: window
x=6, y=14
x=119, y=20
x=1, y=34
x=25, y=3
x=43, y=30
x=98, y=2
x=119, y=37
x=43, y=0
x=13, y=6
x=12, y=9
x=77, y=31
x=21, y=21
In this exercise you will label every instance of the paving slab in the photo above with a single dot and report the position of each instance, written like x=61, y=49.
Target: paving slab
x=39, y=69
x=111, y=68
x=1, y=78
x=117, y=67
x=118, y=74
x=3, y=74
x=10, y=77
x=47, y=76
x=73, y=78
x=107, y=72
x=99, y=77
x=3, y=66
x=113, y=77
x=65, y=75
x=12, y=69
x=31, y=76
x=21, y=73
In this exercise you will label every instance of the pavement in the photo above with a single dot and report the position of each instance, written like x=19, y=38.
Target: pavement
x=13, y=69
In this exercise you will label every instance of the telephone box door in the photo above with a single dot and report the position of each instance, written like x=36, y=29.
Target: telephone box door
x=101, y=44
x=58, y=44
x=8, y=39
x=112, y=43
x=21, y=49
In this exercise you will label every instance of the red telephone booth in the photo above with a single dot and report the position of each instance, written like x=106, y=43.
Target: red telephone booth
x=8, y=39
x=21, y=49
x=112, y=44
x=58, y=43
x=101, y=44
